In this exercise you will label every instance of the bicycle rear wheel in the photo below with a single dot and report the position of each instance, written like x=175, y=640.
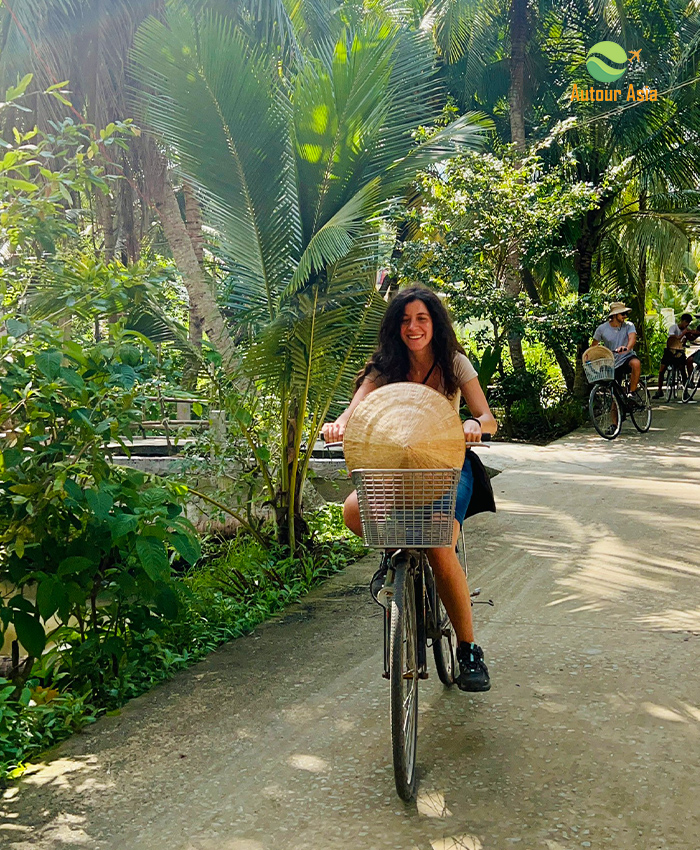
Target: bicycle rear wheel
x=604, y=410
x=445, y=648
x=691, y=385
x=404, y=681
x=641, y=416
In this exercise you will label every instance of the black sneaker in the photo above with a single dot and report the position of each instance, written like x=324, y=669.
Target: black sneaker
x=658, y=394
x=635, y=402
x=379, y=577
x=473, y=673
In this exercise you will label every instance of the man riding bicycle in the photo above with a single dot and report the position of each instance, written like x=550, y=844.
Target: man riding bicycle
x=620, y=336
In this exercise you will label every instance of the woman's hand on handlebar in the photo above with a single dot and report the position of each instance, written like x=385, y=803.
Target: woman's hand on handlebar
x=472, y=431
x=333, y=431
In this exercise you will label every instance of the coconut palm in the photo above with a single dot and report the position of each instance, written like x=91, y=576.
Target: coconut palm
x=294, y=171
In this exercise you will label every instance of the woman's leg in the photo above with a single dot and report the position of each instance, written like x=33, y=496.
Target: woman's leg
x=453, y=588
x=351, y=514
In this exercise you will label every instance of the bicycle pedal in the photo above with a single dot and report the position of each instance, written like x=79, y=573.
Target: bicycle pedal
x=409, y=675
x=424, y=675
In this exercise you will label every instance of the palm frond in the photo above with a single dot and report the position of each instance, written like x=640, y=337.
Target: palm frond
x=238, y=150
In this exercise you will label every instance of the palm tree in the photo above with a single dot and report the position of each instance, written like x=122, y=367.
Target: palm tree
x=294, y=171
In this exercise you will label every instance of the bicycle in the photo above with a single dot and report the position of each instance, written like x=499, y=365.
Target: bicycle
x=691, y=385
x=410, y=511
x=675, y=379
x=608, y=401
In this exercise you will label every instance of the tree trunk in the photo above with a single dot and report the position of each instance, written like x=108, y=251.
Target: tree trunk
x=567, y=370
x=128, y=243
x=640, y=299
x=292, y=528
x=516, y=100
x=200, y=293
x=584, y=264
x=512, y=287
x=193, y=222
x=516, y=94
x=105, y=217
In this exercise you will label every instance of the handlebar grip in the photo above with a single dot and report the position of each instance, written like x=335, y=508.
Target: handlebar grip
x=485, y=437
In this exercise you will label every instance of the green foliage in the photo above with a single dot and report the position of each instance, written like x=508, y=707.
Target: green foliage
x=41, y=176
x=478, y=208
x=486, y=364
x=327, y=525
x=655, y=339
x=567, y=322
x=74, y=529
x=34, y=719
x=534, y=405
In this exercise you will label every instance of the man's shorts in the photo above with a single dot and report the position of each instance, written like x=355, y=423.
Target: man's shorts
x=623, y=364
x=672, y=355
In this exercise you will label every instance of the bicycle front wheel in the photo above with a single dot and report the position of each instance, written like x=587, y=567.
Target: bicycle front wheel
x=604, y=411
x=670, y=383
x=691, y=385
x=404, y=681
x=641, y=415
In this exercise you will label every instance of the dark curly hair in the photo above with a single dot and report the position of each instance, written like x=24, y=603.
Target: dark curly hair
x=391, y=357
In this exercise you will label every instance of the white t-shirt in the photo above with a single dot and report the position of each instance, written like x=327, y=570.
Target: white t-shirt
x=463, y=369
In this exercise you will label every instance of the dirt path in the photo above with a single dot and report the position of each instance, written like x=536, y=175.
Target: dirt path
x=588, y=738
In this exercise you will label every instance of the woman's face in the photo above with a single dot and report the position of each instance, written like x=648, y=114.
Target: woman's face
x=416, y=326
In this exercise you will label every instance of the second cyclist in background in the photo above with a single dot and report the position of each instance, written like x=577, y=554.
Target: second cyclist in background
x=620, y=336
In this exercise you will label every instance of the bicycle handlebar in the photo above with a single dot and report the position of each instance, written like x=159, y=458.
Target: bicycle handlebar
x=485, y=438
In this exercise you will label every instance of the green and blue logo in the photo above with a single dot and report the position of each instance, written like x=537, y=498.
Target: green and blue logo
x=606, y=61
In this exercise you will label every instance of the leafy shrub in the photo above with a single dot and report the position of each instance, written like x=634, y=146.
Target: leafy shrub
x=655, y=339
x=82, y=536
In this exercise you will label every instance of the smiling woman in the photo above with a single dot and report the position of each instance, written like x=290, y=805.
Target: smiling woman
x=417, y=343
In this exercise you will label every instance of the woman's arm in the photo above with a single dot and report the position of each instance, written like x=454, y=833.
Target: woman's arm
x=479, y=409
x=333, y=431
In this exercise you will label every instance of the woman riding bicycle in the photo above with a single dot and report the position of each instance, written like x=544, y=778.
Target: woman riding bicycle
x=417, y=343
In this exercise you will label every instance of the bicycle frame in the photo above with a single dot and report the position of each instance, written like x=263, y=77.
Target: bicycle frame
x=415, y=562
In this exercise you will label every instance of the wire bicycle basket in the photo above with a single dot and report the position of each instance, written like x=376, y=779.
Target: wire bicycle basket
x=406, y=507
x=598, y=364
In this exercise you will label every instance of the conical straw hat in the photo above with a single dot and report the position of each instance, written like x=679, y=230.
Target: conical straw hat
x=404, y=426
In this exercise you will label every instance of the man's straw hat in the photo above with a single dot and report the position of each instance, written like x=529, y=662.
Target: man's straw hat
x=404, y=426
x=618, y=307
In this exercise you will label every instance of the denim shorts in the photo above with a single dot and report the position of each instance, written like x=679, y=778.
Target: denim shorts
x=464, y=490
x=464, y=493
